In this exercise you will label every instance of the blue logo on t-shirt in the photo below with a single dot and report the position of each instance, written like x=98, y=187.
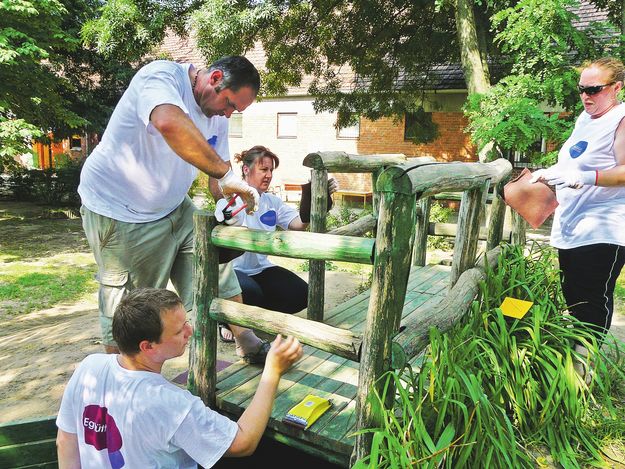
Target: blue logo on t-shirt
x=212, y=141
x=577, y=149
x=269, y=218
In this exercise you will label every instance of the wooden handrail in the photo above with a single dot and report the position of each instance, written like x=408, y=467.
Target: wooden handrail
x=342, y=162
x=335, y=340
x=297, y=244
x=427, y=179
x=414, y=336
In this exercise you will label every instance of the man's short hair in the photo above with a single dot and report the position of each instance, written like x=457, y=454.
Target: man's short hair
x=237, y=72
x=138, y=317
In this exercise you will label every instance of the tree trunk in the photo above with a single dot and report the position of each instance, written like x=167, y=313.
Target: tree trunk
x=472, y=57
x=474, y=68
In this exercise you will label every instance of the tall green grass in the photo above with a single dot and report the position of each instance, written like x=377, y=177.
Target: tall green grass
x=501, y=392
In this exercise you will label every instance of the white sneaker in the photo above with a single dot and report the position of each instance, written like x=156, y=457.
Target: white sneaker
x=582, y=365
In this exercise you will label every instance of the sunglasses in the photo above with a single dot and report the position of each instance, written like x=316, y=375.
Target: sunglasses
x=592, y=90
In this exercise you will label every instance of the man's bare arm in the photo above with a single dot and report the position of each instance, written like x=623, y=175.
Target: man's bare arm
x=67, y=450
x=182, y=135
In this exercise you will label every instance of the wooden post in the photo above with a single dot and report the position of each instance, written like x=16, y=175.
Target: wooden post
x=420, y=245
x=519, y=227
x=316, y=269
x=203, y=347
x=496, y=220
x=465, y=246
x=390, y=277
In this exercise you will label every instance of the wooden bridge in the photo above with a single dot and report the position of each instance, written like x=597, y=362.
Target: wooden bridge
x=350, y=347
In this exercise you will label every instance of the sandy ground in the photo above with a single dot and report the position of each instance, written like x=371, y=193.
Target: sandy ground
x=40, y=350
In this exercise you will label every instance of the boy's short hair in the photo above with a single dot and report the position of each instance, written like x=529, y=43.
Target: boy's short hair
x=138, y=317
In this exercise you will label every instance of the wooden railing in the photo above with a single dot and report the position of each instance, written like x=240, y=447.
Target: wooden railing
x=321, y=164
x=401, y=191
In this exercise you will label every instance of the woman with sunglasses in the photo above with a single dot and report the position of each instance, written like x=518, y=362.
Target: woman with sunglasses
x=262, y=283
x=589, y=178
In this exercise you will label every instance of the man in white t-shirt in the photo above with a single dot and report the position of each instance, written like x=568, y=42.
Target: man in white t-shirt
x=119, y=411
x=171, y=121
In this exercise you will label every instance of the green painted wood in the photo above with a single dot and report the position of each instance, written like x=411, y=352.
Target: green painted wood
x=203, y=345
x=325, y=374
x=296, y=244
x=334, y=457
x=24, y=431
x=24, y=454
x=43, y=465
x=317, y=268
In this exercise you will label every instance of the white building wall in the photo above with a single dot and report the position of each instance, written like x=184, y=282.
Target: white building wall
x=314, y=132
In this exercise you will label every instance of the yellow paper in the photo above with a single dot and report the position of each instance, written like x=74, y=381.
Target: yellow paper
x=515, y=308
x=307, y=411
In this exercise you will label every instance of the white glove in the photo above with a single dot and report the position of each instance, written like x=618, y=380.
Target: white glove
x=333, y=186
x=230, y=212
x=231, y=184
x=573, y=178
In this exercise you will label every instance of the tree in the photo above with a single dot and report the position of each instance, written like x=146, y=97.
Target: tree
x=48, y=81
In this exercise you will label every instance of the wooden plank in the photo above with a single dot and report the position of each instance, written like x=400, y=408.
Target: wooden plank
x=391, y=270
x=496, y=221
x=316, y=268
x=36, y=452
x=342, y=342
x=356, y=228
x=23, y=431
x=320, y=452
x=465, y=246
x=295, y=244
x=342, y=162
x=430, y=179
x=203, y=344
x=420, y=244
x=451, y=230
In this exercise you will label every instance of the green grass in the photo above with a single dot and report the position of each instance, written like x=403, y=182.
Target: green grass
x=500, y=392
x=43, y=262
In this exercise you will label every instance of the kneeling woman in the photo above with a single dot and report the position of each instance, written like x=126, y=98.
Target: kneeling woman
x=263, y=283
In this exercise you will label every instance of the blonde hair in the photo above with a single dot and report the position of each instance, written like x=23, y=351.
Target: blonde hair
x=613, y=66
x=248, y=157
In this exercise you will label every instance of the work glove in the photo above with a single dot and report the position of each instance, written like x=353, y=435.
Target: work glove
x=560, y=178
x=231, y=184
x=305, y=201
x=231, y=212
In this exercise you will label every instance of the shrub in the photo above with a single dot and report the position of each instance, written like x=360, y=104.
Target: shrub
x=494, y=389
x=51, y=186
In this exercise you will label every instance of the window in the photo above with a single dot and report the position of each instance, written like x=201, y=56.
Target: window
x=235, y=125
x=419, y=127
x=287, y=125
x=353, y=131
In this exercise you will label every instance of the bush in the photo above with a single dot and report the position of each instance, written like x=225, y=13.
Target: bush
x=439, y=214
x=51, y=186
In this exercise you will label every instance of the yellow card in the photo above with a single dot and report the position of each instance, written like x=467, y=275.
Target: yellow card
x=515, y=308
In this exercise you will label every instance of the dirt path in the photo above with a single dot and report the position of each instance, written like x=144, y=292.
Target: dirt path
x=41, y=349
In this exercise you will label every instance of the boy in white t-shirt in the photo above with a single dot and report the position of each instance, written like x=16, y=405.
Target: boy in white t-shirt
x=119, y=411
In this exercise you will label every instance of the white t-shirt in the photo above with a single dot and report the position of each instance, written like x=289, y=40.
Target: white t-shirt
x=592, y=214
x=133, y=175
x=272, y=212
x=138, y=419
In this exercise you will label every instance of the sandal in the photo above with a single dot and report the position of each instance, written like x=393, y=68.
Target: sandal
x=222, y=328
x=258, y=357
